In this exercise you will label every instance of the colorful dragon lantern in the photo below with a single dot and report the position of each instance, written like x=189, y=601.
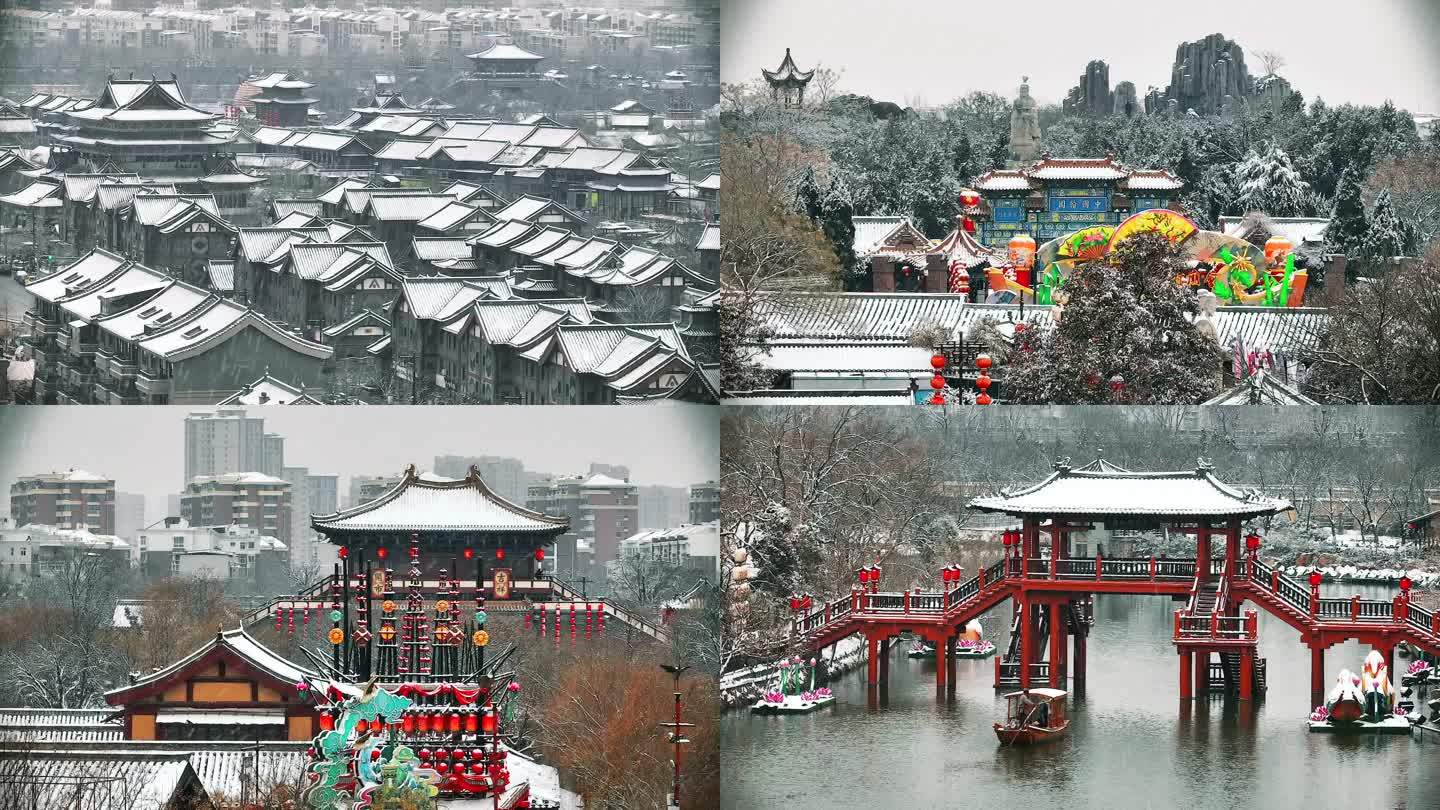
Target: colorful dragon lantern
x=1236, y=271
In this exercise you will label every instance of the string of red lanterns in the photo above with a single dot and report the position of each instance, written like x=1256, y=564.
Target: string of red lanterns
x=983, y=382
x=937, y=382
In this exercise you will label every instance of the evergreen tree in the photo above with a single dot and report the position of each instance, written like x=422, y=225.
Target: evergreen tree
x=1389, y=236
x=1125, y=316
x=1348, y=224
x=1270, y=183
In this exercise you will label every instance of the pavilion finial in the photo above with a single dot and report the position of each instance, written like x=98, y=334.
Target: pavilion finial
x=1099, y=453
x=1203, y=465
x=1062, y=465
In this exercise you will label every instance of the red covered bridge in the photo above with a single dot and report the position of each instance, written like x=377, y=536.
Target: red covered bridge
x=1051, y=588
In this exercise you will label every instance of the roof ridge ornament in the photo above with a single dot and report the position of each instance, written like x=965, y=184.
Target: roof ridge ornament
x=1062, y=465
x=1204, y=465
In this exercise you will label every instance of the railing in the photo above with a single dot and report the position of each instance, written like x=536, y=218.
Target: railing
x=1075, y=568
x=1216, y=627
x=1125, y=569
x=1217, y=566
x=1009, y=672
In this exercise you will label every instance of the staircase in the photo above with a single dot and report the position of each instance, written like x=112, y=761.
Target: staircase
x=1007, y=668
x=1225, y=674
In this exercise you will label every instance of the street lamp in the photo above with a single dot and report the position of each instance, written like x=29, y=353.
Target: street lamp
x=675, y=737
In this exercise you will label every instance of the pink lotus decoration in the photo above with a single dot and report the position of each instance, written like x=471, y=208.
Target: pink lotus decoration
x=1320, y=715
x=808, y=697
x=774, y=697
x=1417, y=666
x=1399, y=712
x=823, y=692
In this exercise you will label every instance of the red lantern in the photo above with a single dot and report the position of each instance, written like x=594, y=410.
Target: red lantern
x=343, y=552
x=1315, y=579
x=441, y=753
x=425, y=754
x=477, y=768
x=1252, y=541
x=471, y=723
x=983, y=399
x=969, y=225
x=469, y=553
x=382, y=552
x=983, y=361
x=489, y=722
x=442, y=767
x=374, y=753
x=327, y=721
x=408, y=724
x=937, y=400
x=983, y=382
x=1019, y=327
x=1117, y=383
x=499, y=553
x=454, y=724
x=539, y=555
x=1405, y=584
x=937, y=362
x=423, y=723
x=937, y=382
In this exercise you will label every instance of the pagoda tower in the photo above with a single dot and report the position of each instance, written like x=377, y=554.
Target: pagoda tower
x=281, y=101
x=787, y=82
x=401, y=622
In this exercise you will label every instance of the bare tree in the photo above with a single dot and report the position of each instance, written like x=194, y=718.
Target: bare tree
x=1270, y=61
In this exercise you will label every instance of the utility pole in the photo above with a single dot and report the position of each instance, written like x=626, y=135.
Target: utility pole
x=675, y=735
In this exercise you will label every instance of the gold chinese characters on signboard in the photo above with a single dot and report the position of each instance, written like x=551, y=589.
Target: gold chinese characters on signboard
x=502, y=582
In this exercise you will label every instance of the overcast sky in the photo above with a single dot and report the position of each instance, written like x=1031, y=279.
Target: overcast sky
x=143, y=448
x=1362, y=51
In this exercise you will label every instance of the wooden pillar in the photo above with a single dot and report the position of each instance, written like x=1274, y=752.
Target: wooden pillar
x=942, y=661
x=1186, y=661
x=1057, y=646
x=1202, y=552
x=950, y=663
x=885, y=660
x=1079, y=660
x=1202, y=673
x=872, y=670
x=1317, y=674
x=1027, y=639
x=1247, y=673
x=1232, y=548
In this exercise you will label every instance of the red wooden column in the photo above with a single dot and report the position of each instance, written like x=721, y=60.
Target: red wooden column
x=1232, y=548
x=1202, y=552
x=1247, y=673
x=1057, y=646
x=1079, y=660
x=942, y=660
x=1186, y=662
x=950, y=663
x=1027, y=641
x=872, y=670
x=1317, y=673
x=1202, y=673
x=885, y=660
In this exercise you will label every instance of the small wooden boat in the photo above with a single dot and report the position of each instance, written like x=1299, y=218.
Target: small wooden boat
x=1033, y=716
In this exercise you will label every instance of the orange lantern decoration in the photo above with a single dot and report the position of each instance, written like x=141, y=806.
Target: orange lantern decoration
x=1276, y=249
x=1022, y=257
x=337, y=635
x=443, y=605
x=388, y=605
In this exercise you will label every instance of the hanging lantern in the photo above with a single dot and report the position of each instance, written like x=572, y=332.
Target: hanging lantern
x=937, y=382
x=969, y=225
x=407, y=724
x=327, y=721
x=937, y=362
x=969, y=198
x=422, y=722
x=443, y=606
x=469, y=553
x=360, y=726
x=382, y=552
x=472, y=722
x=982, y=382
x=1405, y=584
x=343, y=552
x=387, y=633
x=442, y=767
x=477, y=768
x=1117, y=383
x=454, y=724
x=388, y=605
x=499, y=553
x=336, y=635
x=481, y=638
x=539, y=555
x=1020, y=327
x=1252, y=541
x=1315, y=579
x=983, y=399
x=488, y=721
x=983, y=361
x=937, y=399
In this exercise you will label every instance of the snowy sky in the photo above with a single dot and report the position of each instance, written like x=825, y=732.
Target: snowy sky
x=933, y=51
x=143, y=448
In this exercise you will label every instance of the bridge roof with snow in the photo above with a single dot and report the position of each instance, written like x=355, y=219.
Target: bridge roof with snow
x=1104, y=489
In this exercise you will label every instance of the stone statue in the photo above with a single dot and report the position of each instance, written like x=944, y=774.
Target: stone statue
x=1025, y=126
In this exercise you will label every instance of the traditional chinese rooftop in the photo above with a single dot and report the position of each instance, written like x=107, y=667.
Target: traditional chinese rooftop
x=1102, y=489
x=1051, y=169
x=788, y=73
x=429, y=503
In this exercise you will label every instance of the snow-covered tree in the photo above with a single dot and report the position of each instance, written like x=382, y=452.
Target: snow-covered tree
x=1389, y=235
x=1270, y=183
x=1125, y=317
x=1348, y=224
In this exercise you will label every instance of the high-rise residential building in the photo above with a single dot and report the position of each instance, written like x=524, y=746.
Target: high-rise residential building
x=705, y=502
x=301, y=547
x=224, y=441
x=129, y=514
x=662, y=507
x=272, y=456
x=172, y=505
x=322, y=497
x=253, y=499
x=506, y=477
x=74, y=499
x=609, y=513
x=560, y=495
x=612, y=470
x=366, y=488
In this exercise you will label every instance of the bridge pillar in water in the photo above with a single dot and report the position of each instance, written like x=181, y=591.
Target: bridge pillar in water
x=942, y=661
x=950, y=664
x=1247, y=673
x=872, y=664
x=885, y=660
x=1202, y=673
x=1187, y=660
x=1027, y=641
x=1080, y=661
x=1057, y=645
x=1317, y=673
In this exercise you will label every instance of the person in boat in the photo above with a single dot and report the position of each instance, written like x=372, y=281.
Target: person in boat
x=1032, y=711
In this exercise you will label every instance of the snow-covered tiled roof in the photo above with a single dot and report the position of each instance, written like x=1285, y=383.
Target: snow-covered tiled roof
x=709, y=238
x=858, y=316
x=1299, y=230
x=1102, y=493
x=269, y=390
x=846, y=357
x=429, y=503
x=135, y=279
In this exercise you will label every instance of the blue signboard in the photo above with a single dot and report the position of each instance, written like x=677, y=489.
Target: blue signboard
x=1009, y=213
x=1096, y=204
